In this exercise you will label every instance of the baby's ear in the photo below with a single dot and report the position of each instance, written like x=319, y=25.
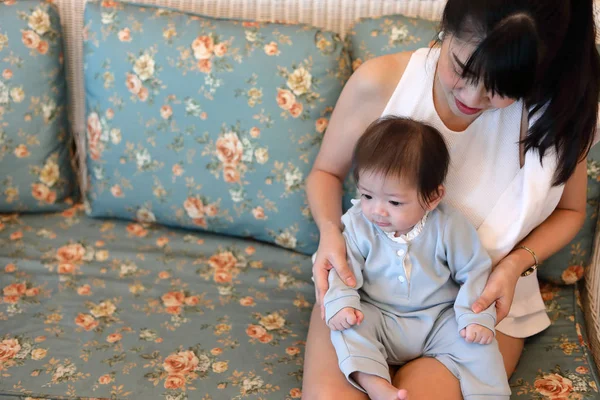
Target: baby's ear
x=437, y=196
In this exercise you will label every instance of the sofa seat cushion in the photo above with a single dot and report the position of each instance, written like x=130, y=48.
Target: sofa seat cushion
x=107, y=308
x=558, y=363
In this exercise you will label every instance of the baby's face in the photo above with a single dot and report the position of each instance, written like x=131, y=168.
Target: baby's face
x=389, y=202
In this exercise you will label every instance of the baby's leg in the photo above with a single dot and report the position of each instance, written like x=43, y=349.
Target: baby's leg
x=479, y=368
x=361, y=355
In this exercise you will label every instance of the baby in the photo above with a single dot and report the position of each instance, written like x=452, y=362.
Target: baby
x=419, y=266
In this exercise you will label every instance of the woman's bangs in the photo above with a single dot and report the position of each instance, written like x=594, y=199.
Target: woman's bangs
x=507, y=67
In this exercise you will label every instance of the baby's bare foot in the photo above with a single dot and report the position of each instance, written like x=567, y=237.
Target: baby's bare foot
x=384, y=391
x=379, y=388
x=387, y=392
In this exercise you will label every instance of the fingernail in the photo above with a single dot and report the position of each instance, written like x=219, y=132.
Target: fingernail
x=350, y=282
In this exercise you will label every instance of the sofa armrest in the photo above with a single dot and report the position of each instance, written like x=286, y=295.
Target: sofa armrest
x=591, y=298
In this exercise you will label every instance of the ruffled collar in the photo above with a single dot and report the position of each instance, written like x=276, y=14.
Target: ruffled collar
x=412, y=234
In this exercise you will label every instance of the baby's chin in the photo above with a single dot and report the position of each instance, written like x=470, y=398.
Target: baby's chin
x=387, y=229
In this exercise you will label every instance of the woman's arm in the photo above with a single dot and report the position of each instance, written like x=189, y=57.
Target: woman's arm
x=362, y=101
x=559, y=228
x=545, y=240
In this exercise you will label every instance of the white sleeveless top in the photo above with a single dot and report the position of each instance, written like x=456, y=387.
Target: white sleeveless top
x=485, y=182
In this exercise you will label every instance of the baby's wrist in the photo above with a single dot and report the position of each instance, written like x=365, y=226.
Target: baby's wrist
x=476, y=324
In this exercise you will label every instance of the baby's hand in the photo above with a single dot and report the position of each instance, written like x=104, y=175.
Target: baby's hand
x=476, y=333
x=345, y=318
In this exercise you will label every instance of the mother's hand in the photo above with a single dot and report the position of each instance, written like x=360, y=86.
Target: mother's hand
x=330, y=254
x=500, y=288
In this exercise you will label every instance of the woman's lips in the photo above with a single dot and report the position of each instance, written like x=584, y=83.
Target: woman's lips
x=464, y=109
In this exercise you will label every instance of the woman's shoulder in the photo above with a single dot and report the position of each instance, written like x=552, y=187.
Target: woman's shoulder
x=384, y=69
x=380, y=74
x=388, y=62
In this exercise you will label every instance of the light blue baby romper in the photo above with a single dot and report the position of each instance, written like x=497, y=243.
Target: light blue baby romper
x=406, y=317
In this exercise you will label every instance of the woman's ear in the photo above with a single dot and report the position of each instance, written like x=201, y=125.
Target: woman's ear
x=438, y=195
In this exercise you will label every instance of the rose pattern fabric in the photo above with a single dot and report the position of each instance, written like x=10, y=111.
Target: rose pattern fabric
x=34, y=136
x=207, y=124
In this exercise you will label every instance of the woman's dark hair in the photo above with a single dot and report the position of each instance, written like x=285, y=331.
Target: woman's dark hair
x=404, y=148
x=544, y=52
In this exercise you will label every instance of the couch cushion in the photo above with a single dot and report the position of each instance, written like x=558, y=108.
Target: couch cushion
x=34, y=138
x=372, y=37
x=101, y=308
x=90, y=306
x=206, y=123
x=557, y=363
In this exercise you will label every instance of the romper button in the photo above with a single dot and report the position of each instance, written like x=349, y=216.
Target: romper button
x=401, y=279
x=400, y=252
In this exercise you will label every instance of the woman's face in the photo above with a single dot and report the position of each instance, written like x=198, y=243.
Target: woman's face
x=464, y=98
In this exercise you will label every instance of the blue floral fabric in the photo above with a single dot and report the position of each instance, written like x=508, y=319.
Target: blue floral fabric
x=34, y=136
x=569, y=264
x=117, y=309
x=205, y=123
x=372, y=37
x=557, y=363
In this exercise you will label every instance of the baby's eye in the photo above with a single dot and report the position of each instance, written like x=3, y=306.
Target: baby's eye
x=366, y=196
x=395, y=203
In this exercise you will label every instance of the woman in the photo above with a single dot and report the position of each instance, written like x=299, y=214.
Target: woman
x=513, y=87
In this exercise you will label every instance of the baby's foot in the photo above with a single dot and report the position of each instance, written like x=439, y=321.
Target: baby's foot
x=379, y=388
x=389, y=392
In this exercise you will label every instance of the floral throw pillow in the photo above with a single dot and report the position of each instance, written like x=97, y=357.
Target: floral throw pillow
x=375, y=36
x=34, y=136
x=205, y=123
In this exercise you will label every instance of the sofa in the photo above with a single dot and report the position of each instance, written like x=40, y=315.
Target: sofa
x=155, y=237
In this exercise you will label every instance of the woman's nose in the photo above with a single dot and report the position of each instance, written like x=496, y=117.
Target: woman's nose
x=475, y=96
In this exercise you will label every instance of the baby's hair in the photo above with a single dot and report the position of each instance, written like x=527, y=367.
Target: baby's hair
x=406, y=149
